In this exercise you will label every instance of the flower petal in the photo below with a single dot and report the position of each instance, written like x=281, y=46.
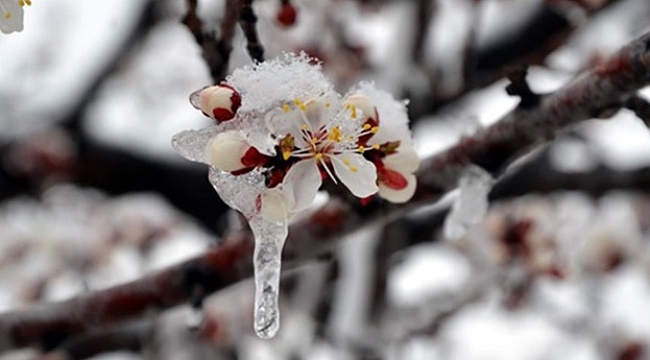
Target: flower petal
x=402, y=195
x=405, y=160
x=11, y=16
x=301, y=183
x=357, y=173
x=274, y=205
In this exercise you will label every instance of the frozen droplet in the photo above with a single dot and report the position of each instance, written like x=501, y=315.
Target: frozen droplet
x=471, y=205
x=269, y=240
x=195, y=98
x=194, y=318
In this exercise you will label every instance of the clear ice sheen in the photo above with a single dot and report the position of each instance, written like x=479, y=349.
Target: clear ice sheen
x=269, y=240
x=471, y=205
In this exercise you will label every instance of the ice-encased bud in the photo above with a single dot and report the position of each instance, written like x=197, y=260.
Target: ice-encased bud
x=219, y=102
x=226, y=151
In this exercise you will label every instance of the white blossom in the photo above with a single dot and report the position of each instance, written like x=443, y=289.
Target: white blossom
x=279, y=131
x=11, y=15
x=283, y=121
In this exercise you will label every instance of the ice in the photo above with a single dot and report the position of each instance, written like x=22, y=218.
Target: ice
x=471, y=205
x=269, y=240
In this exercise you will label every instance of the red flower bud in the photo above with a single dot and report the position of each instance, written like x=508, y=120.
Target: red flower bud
x=287, y=14
x=220, y=102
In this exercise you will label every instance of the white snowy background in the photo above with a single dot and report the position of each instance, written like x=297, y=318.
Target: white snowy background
x=445, y=299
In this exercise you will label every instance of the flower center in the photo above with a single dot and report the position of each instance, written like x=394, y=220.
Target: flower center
x=330, y=142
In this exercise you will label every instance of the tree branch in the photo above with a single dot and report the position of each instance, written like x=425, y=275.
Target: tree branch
x=597, y=93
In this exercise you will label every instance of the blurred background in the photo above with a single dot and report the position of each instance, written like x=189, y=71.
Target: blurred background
x=92, y=194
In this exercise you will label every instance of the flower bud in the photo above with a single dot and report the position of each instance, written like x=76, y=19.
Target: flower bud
x=220, y=102
x=287, y=14
x=226, y=151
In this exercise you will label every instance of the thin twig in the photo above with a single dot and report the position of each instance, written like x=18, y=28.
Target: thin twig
x=247, y=22
x=216, y=52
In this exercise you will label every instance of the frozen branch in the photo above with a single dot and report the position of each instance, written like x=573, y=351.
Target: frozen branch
x=596, y=93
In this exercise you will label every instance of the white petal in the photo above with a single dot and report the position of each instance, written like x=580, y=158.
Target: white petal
x=406, y=160
x=402, y=195
x=301, y=184
x=357, y=173
x=314, y=114
x=225, y=151
x=361, y=102
x=14, y=20
x=274, y=205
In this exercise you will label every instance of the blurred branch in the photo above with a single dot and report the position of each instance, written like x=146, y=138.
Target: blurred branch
x=641, y=108
x=247, y=21
x=216, y=52
x=530, y=44
x=132, y=337
x=596, y=93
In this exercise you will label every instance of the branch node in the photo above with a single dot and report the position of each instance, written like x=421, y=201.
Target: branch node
x=519, y=87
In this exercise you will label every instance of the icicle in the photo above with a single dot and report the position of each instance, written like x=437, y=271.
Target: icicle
x=194, y=318
x=471, y=205
x=269, y=240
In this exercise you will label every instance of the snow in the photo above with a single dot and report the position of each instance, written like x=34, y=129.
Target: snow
x=426, y=272
x=49, y=66
x=484, y=331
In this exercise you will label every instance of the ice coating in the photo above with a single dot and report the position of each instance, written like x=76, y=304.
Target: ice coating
x=269, y=240
x=471, y=205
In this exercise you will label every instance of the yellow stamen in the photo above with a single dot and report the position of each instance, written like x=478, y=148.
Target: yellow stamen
x=318, y=156
x=286, y=108
x=28, y=2
x=375, y=146
x=7, y=15
x=302, y=107
x=375, y=129
x=304, y=127
x=366, y=126
x=354, y=112
x=335, y=134
x=328, y=105
x=21, y=3
x=362, y=149
x=353, y=168
x=286, y=155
